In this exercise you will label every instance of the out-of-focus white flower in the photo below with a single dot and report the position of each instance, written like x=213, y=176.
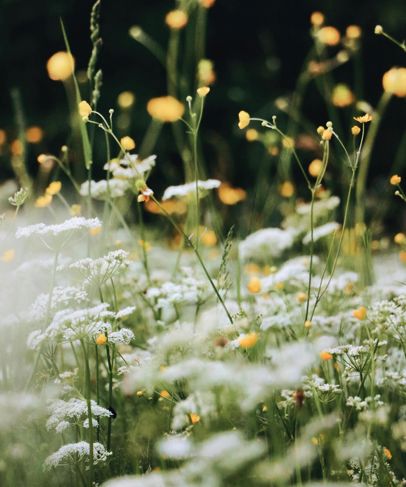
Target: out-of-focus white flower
x=320, y=232
x=266, y=244
x=103, y=189
x=185, y=189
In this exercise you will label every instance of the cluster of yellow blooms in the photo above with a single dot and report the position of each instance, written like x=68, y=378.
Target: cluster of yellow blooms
x=46, y=199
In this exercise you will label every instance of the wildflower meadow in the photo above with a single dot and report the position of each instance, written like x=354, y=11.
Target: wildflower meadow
x=164, y=324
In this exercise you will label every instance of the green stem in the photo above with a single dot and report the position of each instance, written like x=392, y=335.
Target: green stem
x=190, y=243
x=89, y=411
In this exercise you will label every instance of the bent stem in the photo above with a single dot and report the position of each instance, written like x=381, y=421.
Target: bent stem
x=326, y=154
x=354, y=166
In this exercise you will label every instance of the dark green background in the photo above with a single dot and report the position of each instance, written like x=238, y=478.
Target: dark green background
x=257, y=47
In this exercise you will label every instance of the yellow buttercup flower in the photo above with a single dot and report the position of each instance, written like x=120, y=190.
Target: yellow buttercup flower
x=387, y=453
x=360, y=313
x=8, y=255
x=101, y=339
x=353, y=32
x=208, y=238
x=203, y=91
x=205, y=72
x=363, y=118
x=399, y=238
x=229, y=195
x=75, y=210
x=317, y=19
x=287, y=189
x=308, y=324
x=165, y=394
x=127, y=143
x=355, y=130
x=329, y=36
x=207, y=3
x=84, y=109
x=395, y=180
x=194, y=418
x=243, y=119
x=251, y=135
x=53, y=188
x=327, y=134
x=325, y=356
x=394, y=82
x=165, y=108
x=34, y=134
x=43, y=201
x=93, y=232
x=60, y=66
x=249, y=340
x=126, y=99
x=342, y=96
x=254, y=285
x=176, y=19
x=315, y=167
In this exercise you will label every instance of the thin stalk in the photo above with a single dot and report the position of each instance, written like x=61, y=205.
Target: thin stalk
x=190, y=243
x=89, y=411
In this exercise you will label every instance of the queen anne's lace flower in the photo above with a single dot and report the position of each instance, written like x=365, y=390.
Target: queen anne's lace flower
x=101, y=190
x=185, y=189
x=75, y=223
x=75, y=452
x=66, y=413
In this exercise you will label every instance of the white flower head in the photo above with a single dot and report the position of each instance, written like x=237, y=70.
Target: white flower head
x=184, y=190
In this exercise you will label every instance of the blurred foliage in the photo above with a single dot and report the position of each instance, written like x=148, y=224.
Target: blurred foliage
x=258, y=49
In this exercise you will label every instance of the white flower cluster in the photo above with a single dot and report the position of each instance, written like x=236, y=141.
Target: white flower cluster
x=101, y=269
x=104, y=189
x=73, y=224
x=64, y=414
x=184, y=190
x=131, y=167
x=266, y=244
x=73, y=324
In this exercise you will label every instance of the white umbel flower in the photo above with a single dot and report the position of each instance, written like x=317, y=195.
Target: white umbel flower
x=73, y=224
x=75, y=452
x=185, y=189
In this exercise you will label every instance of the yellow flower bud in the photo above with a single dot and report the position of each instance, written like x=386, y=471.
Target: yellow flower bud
x=127, y=143
x=203, y=91
x=101, y=339
x=249, y=340
x=176, y=19
x=84, y=109
x=243, y=119
x=54, y=188
x=395, y=180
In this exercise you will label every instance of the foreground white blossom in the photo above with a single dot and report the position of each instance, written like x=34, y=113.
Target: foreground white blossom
x=43, y=230
x=185, y=189
x=75, y=452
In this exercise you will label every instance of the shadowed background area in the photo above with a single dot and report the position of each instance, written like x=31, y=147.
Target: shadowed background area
x=258, y=49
